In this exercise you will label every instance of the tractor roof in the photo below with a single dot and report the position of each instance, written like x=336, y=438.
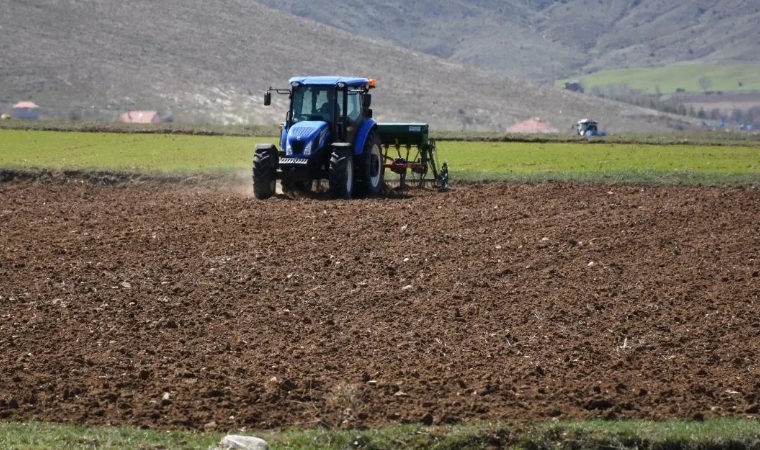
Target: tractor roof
x=330, y=81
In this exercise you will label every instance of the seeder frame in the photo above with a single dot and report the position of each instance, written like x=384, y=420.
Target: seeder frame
x=409, y=151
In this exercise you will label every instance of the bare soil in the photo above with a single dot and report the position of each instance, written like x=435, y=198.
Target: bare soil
x=192, y=307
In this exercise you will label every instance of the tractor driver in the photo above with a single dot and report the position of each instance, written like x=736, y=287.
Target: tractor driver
x=327, y=108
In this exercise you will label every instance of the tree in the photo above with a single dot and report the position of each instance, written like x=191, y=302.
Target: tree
x=705, y=83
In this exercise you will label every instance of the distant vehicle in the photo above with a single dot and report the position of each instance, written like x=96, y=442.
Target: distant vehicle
x=588, y=127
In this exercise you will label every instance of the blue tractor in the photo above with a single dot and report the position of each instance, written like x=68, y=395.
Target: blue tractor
x=588, y=127
x=328, y=134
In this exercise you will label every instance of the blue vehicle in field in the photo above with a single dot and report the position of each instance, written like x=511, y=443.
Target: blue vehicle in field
x=329, y=134
x=588, y=127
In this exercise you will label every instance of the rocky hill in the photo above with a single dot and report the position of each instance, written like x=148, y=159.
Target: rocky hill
x=546, y=39
x=211, y=61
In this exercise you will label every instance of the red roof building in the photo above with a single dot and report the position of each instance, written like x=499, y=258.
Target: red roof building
x=534, y=125
x=26, y=111
x=140, y=117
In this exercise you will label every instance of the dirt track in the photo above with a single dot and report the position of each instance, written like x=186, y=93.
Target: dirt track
x=169, y=306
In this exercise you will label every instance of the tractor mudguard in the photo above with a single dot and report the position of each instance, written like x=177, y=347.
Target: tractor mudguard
x=361, y=135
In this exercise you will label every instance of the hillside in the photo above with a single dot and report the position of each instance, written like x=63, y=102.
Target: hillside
x=211, y=60
x=545, y=40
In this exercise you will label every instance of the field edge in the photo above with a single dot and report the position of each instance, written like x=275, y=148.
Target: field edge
x=715, y=434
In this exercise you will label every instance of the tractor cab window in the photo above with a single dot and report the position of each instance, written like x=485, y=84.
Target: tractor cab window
x=354, y=110
x=312, y=103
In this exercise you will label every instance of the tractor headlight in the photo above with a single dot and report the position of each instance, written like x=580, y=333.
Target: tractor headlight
x=289, y=149
x=307, y=148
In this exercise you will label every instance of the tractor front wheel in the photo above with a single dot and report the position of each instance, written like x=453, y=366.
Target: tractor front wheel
x=264, y=171
x=342, y=171
x=371, y=165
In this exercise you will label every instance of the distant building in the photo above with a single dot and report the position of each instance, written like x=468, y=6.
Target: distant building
x=25, y=111
x=534, y=125
x=140, y=117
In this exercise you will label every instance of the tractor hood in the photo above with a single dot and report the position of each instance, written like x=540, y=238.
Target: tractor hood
x=306, y=137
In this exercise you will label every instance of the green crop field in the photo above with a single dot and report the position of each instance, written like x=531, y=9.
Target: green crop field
x=163, y=153
x=684, y=76
x=469, y=161
x=609, y=162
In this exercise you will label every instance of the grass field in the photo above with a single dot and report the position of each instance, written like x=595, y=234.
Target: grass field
x=685, y=76
x=469, y=161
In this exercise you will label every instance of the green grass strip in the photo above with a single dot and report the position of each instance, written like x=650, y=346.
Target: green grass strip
x=508, y=158
x=147, y=153
x=668, y=435
x=594, y=435
x=469, y=161
x=527, y=162
x=42, y=436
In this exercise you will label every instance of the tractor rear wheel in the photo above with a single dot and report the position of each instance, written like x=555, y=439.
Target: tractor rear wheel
x=371, y=166
x=264, y=171
x=342, y=171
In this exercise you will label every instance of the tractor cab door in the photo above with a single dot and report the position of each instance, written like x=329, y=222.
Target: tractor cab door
x=352, y=101
x=353, y=117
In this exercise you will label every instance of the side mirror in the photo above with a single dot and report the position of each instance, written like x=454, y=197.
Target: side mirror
x=367, y=100
x=267, y=98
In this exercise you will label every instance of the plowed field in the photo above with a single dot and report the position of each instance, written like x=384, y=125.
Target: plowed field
x=191, y=307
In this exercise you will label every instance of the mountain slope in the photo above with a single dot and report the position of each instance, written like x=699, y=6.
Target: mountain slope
x=210, y=61
x=546, y=40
